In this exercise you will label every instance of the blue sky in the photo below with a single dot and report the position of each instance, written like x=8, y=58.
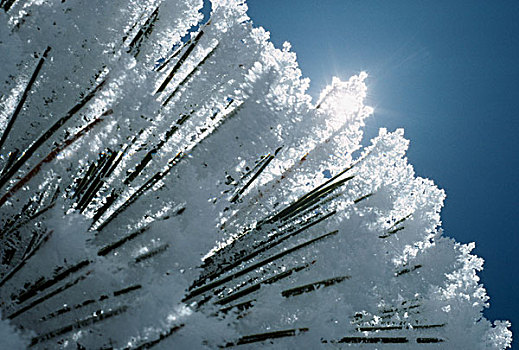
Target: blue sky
x=447, y=72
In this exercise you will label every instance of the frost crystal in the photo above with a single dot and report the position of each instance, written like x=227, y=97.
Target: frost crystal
x=166, y=181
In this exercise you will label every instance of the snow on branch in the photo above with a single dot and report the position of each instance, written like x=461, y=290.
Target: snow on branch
x=165, y=181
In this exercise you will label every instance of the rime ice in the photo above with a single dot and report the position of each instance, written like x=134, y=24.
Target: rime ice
x=166, y=181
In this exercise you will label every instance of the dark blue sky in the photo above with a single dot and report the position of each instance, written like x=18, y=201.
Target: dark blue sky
x=447, y=72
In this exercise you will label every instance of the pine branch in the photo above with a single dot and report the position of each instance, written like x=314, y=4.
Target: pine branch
x=10, y=160
x=255, y=266
x=181, y=48
x=423, y=340
x=7, y=4
x=393, y=230
x=360, y=199
x=237, y=256
x=241, y=293
x=308, y=199
x=264, y=165
x=313, y=286
x=372, y=340
x=21, y=102
x=152, y=181
x=96, y=183
x=240, y=307
x=49, y=158
x=98, y=316
x=154, y=150
x=407, y=270
x=144, y=31
x=45, y=284
x=22, y=263
x=151, y=253
x=47, y=296
x=179, y=63
x=398, y=327
x=111, y=247
x=190, y=75
x=48, y=134
x=87, y=302
x=20, y=223
x=161, y=337
x=261, y=337
x=112, y=197
x=143, y=189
